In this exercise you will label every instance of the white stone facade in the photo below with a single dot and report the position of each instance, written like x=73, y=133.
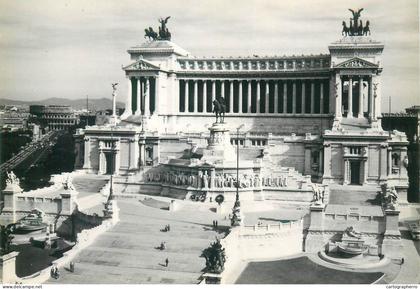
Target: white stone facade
x=318, y=114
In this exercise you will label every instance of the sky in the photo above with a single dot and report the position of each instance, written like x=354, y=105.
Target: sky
x=72, y=49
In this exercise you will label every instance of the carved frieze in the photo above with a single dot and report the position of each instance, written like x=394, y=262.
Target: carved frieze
x=356, y=63
x=141, y=65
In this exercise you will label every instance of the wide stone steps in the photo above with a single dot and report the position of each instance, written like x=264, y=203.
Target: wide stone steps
x=144, y=259
x=86, y=273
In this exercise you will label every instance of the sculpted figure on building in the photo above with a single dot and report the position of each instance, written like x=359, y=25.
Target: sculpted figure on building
x=204, y=180
x=163, y=34
x=356, y=27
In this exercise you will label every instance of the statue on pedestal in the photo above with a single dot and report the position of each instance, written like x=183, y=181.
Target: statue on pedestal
x=12, y=179
x=391, y=198
x=215, y=257
x=6, y=238
x=219, y=108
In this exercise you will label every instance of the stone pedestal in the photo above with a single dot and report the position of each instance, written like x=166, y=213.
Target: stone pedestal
x=315, y=238
x=8, y=268
x=212, y=278
x=9, y=208
x=67, y=202
x=391, y=244
x=219, y=147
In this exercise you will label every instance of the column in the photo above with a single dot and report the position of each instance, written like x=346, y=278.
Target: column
x=128, y=108
x=231, y=96
x=147, y=97
x=321, y=162
x=213, y=91
x=114, y=104
x=276, y=96
x=360, y=112
x=327, y=161
x=284, y=96
x=370, y=98
x=102, y=163
x=350, y=98
x=222, y=88
x=377, y=98
x=294, y=97
x=312, y=96
x=195, y=95
x=365, y=171
x=307, y=169
x=138, y=98
x=86, y=164
x=267, y=96
x=338, y=96
x=187, y=95
x=258, y=96
x=303, y=97
x=240, y=83
x=248, y=97
x=205, y=95
x=142, y=152
x=346, y=172
x=389, y=161
x=117, y=160
x=134, y=154
x=321, y=93
x=156, y=98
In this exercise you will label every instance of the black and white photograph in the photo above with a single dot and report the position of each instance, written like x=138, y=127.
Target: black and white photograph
x=198, y=142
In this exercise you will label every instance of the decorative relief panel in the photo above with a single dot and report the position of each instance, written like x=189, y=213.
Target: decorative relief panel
x=357, y=63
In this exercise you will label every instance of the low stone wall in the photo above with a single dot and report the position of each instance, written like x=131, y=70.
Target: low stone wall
x=266, y=242
x=84, y=239
x=248, y=194
x=369, y=224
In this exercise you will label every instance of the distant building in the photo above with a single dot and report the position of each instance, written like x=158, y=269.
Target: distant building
x=86, y=119
x=103, y=116
x=12, y=120
x=408, y=122
x=54, y=117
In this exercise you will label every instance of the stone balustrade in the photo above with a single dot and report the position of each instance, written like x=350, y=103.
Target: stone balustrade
x=312, y=62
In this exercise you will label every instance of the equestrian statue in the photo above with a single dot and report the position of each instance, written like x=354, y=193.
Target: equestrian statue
x=219, y=108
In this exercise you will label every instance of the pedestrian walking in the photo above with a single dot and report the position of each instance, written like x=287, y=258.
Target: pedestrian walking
x=217, y=224
x=166, y=262
x=169, y=227
x=72, y=267
x=402, y=260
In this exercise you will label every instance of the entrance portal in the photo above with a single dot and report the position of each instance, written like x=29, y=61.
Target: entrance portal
x=110, y=161
x=355, y=172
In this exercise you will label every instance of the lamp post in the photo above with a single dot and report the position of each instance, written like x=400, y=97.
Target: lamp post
x=112, y=159
x=236, y=210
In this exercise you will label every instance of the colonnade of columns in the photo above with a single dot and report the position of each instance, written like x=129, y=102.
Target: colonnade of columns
x=295, y=96
x=142, y=95
x=358, y=99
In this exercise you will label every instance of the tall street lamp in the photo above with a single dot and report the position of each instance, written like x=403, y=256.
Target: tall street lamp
x=236, y=211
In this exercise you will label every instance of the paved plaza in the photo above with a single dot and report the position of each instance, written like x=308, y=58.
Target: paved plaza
x=301, y=271
x=127, y=253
